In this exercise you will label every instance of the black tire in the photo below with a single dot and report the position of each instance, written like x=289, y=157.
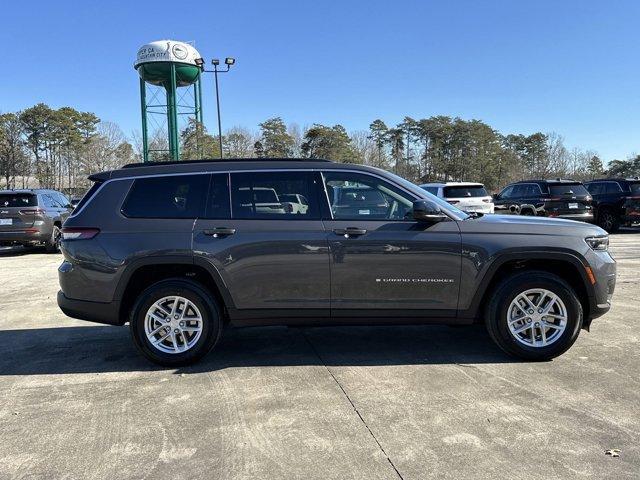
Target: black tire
x=53, y=244
x=212, y=323
x=608, y=220
x=496, y=314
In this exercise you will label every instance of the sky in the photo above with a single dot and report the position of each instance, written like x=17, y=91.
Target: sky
x=570, y=67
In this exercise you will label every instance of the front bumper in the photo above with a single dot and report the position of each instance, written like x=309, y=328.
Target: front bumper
x=108, y=313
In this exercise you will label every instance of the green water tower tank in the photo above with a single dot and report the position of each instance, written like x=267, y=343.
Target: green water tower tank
x=169, y=64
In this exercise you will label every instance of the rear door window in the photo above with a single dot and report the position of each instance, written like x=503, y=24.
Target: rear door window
x=173, y=196
x=12, y=200
x=635, y=187
x=612, y=187
x=596, y=188
x=459, y=191
x=268, y=195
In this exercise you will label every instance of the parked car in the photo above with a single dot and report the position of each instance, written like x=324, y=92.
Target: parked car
x=616, y=201
x=468, y=197
x=32, y=217
x=171, y=249
x=558, y=198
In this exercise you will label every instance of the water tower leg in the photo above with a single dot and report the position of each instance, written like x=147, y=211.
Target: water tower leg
x=143, y=105
x=172, y=114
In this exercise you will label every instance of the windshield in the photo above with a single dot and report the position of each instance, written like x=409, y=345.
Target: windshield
x=456, y=213
x=460, y=191
x=18, y=200
x=568, y=189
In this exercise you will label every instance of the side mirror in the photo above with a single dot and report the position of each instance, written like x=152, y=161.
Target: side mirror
x=426, y=211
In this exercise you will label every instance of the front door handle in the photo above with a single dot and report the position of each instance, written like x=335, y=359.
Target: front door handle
x=350, y=231
x=219, y=232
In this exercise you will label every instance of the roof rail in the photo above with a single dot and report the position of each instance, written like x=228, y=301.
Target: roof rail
x=226, y=160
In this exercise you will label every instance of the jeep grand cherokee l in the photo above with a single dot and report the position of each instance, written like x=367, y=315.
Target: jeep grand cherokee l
x=548, y=198
x=32, y=217
x=616, y=202
x=180, y=249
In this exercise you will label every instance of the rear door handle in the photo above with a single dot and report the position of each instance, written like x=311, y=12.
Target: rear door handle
x=219, y=232
x=350, y=231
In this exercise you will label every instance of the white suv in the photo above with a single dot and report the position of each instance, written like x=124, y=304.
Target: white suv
x=470, y=197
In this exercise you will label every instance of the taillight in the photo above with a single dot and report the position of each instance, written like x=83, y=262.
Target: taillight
x=32, y=211
x=79, y=233
x=486, y=200
x=453, y=202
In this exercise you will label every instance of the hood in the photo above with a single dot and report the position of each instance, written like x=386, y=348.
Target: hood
x=521, y=224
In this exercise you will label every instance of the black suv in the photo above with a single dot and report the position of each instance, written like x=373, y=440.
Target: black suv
x=548, y=198
x=32, y=217
x=616, y=201
x=181, y=249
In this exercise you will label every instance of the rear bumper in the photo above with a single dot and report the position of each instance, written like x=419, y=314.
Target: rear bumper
x=35, y=235
x=581, y=217
x=108, y=313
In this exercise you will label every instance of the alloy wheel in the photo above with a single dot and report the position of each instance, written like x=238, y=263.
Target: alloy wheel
x=173, y=324
x=537, y=317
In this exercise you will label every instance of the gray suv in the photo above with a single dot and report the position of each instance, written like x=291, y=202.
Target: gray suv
x=32, y=217
x=179, y=250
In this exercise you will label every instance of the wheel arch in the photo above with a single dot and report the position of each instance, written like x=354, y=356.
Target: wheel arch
x=145, y=272
x=567, y=266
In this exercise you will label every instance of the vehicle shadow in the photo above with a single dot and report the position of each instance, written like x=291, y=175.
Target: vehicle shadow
x=97, y=349
x=19, y=251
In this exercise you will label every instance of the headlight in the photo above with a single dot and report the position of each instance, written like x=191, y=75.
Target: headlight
x=598, y=243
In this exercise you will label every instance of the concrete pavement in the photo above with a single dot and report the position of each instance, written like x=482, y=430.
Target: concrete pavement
x=76, y=400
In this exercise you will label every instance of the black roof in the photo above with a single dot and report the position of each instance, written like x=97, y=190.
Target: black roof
x=615, y=179
x=550, y=180
x=224, y=160
x=213, y=165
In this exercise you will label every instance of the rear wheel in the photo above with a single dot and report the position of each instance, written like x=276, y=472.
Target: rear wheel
x=53, y=244
x=175, y=322
x=534, y=315
x=608, y=221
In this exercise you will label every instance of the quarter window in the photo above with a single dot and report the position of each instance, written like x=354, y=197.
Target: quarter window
x=174, y=196
x=354, y=196
x=274, y=195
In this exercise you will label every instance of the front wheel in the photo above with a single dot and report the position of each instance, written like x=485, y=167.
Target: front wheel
x=534, y=315
x=175, y=322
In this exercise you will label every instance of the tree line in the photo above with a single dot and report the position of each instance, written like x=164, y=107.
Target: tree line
x=58, y=148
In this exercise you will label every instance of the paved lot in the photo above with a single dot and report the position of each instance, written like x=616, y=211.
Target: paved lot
x=76, y=401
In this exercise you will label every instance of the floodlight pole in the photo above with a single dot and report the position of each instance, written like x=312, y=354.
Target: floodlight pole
x=215, y=71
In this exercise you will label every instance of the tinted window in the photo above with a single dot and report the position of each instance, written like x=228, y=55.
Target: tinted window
x=18, y=200
x=635, y=187
x=359, y=196
x=507, y=192
x=268, y=195
x=595, y=188
x=568, y=189
x=461, y=192
x=49, y=202
x=218, y=200
x=176, y=196
x=87, y=196
x=612, y=187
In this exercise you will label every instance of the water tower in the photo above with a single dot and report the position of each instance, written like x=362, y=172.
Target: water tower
x=170, y=93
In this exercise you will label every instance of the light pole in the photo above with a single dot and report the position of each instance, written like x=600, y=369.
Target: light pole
x=215, y=62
